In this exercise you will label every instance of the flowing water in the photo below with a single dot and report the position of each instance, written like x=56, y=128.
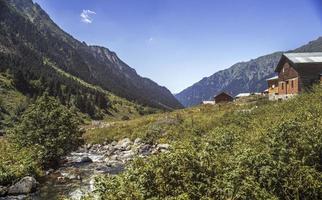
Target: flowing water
x=73, y=179
x=76, y=177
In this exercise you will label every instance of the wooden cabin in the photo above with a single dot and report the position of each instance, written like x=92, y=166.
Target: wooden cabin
x=296, y=73
x=223, y=97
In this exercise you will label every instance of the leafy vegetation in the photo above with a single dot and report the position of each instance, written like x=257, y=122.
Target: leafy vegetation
x=10, y=99
x=48, y=126
x=16, y=163
x=44, y=133
x=258, y=151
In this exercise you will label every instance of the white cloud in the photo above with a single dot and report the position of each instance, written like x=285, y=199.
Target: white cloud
x=86, y=16
x=150, y=40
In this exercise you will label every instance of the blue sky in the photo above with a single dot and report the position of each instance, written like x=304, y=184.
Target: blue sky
x=178, y=42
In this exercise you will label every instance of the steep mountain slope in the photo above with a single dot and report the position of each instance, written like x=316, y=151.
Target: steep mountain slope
x=242, y=77
x=24, y=23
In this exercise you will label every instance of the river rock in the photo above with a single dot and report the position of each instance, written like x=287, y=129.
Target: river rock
x=110, y=150
x=3, y=191
x=88, y=146
x=123, y=144
x=76, y=194
x=163, y=146
x=85, y=159
x=127, y=155
x=145, y=149
x=24, y=186
x=113, y=163
x=71, y=173
x=137, y=141
x=113, y=157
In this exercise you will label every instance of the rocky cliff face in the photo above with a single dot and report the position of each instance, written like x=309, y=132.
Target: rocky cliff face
x=242, y=77
x=26, y=24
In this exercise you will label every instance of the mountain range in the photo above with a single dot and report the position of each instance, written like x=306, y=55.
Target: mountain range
x=35, y=50
x=241, y=77
x=29, y=36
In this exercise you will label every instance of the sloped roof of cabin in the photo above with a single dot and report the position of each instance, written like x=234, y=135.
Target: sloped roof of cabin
x=273, y=78
x=315, y=57
x=243, y=95
x=223, y=93
x=299, y=58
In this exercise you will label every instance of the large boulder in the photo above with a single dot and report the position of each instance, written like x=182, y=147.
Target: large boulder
x=24, y=186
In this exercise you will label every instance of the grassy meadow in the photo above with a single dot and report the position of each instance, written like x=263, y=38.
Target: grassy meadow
x=263, y=150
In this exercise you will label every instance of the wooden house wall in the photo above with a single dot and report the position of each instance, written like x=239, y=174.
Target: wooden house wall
x=289, y=81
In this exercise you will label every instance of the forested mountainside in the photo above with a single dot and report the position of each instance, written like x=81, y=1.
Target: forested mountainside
x=34, y=49
x=242, y=77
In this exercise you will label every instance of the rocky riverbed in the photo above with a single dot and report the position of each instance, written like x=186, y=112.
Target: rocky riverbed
x=75, y=177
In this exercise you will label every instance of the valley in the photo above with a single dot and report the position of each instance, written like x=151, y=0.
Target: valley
x=78, y=123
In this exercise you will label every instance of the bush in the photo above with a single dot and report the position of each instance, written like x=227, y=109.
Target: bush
x=16, y=163
x=49, y=127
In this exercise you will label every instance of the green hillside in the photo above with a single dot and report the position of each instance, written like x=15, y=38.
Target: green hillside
x=13, y=100
x=10, y=99
x=262, y=150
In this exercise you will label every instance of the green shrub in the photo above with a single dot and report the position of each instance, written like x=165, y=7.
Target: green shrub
x=49, y=127
x=16, y=163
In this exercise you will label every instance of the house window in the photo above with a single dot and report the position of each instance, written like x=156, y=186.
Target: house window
x=292, y=84
x=282, y=86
